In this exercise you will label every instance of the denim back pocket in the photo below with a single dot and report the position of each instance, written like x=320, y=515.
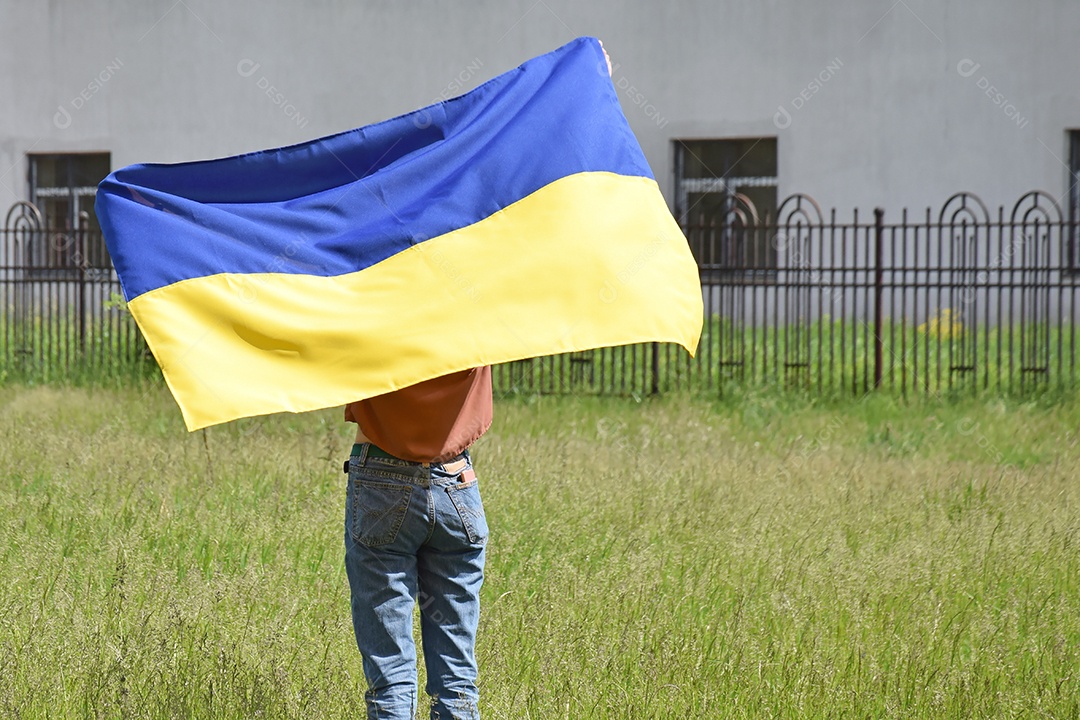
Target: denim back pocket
x=466, y=498
x=378, y=511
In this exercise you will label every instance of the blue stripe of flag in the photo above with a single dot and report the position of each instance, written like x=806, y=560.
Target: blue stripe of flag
x=345, y=202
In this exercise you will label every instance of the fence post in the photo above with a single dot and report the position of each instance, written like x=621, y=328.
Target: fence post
x=879, y=273
x=80, y=267
x=655, y=369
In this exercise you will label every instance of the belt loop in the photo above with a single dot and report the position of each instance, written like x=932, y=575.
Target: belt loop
x=363, y=453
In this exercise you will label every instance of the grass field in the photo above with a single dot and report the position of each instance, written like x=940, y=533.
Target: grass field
x=667, y=559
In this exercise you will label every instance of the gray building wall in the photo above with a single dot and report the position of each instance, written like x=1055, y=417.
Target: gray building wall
x=874, y=102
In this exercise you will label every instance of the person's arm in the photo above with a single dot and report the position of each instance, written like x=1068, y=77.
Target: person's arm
x=606, y=57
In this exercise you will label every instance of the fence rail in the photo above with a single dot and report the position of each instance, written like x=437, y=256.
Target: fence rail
x=962, y=300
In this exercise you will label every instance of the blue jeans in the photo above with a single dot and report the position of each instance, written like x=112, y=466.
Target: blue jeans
x=415, y=532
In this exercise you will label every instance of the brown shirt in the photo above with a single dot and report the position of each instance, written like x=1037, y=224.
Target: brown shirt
x=432, y=421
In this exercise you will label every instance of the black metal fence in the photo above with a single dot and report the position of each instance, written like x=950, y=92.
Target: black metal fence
x=962, y=300
x=958, y=301
x=63, y=315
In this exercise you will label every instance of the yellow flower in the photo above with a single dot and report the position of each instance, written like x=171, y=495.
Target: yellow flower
x=944, y=326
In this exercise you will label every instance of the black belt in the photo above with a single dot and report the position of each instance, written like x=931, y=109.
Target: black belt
x=375, y=451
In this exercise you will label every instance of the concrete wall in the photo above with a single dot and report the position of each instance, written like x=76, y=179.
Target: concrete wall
x=874, y=102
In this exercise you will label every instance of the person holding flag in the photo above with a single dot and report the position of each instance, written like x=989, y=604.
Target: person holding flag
x=388, y=268
x=415, y=532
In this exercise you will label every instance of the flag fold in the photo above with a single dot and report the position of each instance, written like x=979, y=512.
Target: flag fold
x=517, y=220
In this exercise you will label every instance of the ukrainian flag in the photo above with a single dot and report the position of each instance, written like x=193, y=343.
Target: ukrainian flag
x=518, y=220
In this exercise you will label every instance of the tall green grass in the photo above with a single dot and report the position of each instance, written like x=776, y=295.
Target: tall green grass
x=672, y=558
x=55, y=349
x=824, y=358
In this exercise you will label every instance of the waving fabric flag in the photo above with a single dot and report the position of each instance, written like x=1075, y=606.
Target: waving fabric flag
x=518, y=220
